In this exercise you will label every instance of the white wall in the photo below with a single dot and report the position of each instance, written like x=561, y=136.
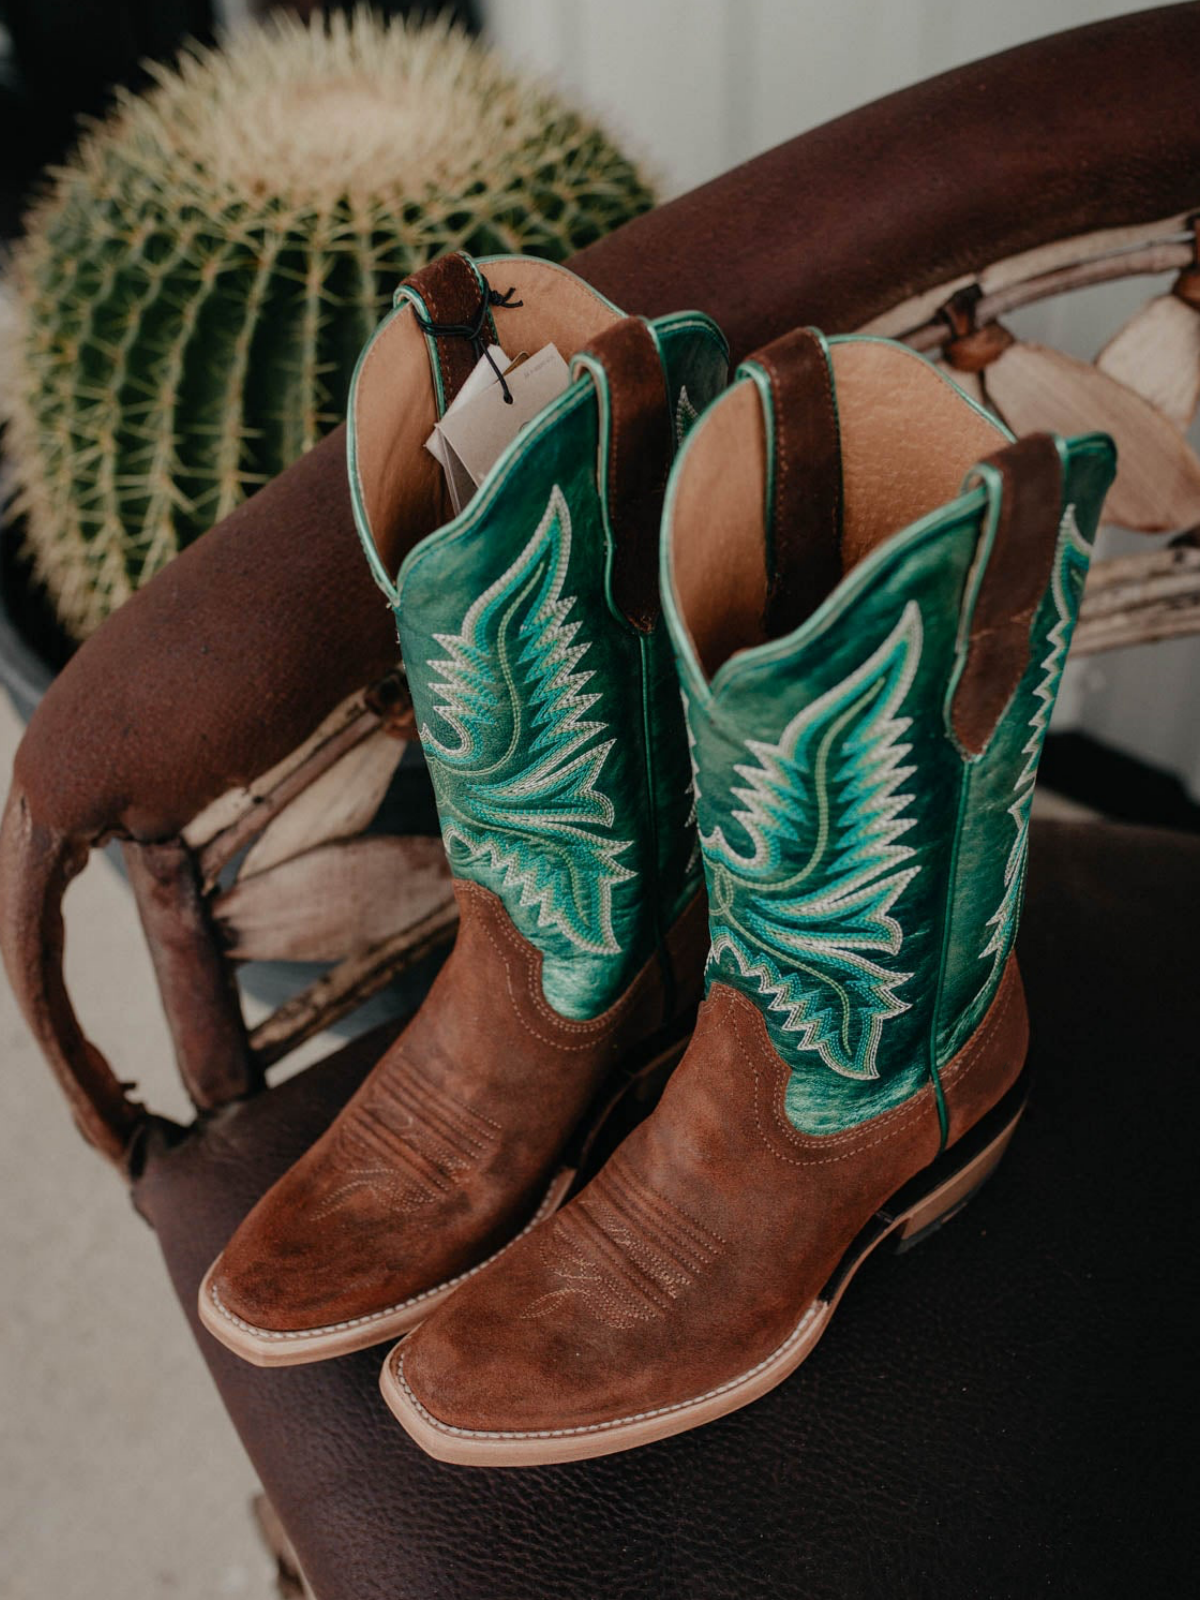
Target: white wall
x=698, y=85
x=694, y=86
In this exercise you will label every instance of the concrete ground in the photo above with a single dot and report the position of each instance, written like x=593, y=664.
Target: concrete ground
x=120, y=1476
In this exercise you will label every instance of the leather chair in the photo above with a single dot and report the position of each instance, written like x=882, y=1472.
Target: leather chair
x=999, y=1412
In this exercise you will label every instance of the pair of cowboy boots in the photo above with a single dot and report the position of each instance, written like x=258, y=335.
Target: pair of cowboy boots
x=866, y=591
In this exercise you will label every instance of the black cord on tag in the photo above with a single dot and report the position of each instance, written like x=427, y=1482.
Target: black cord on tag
x=474, y=330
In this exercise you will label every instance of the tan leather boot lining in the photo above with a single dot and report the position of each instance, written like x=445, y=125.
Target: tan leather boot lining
x=907, y=440
x=403, y=488
x=718, y=548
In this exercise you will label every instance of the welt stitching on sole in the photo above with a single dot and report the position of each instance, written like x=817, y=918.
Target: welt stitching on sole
x=619, y=1422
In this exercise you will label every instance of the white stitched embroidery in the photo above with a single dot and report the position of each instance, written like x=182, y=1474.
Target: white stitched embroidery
x=1003, y=920
x=518, y=787
x=685, y=415
x=805, y=910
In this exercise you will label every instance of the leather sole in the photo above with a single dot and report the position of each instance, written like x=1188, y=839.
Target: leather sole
x=270, y=1347
x=917, y=1209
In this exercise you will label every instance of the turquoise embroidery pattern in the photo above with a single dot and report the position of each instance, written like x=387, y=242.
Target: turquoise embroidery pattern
x=693, y=793
x=1070, y=569
x=806, y=915
x=685, y=415
x=518, y=785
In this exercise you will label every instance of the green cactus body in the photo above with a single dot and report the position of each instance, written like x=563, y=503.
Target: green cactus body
x=191, y=296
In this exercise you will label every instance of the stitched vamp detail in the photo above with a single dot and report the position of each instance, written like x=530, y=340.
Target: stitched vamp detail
x=409, y=1143
x=624, y=1252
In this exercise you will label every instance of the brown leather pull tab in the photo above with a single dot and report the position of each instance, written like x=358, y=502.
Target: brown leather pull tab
x=639, y=458
x=804, y=556
x=451, y=292
x=1019, y=567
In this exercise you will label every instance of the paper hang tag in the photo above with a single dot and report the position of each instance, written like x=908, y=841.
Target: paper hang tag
x=470, y=438
x=457, y=479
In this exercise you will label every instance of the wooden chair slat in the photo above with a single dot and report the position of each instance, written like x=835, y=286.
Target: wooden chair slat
x=1157, y=488
x=334, y=900
x=339, y=803
x=1157, y=355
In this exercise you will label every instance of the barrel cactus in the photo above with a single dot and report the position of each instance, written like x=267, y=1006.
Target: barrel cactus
x=186, y=307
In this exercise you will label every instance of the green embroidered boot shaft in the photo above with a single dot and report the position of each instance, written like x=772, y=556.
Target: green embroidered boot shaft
x=871, y=593
x=540, y=670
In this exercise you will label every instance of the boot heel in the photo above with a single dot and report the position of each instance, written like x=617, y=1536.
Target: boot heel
x=927, y=1215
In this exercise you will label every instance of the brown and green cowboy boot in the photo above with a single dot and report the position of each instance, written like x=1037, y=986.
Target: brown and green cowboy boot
x=545, y=691
x=871, y=593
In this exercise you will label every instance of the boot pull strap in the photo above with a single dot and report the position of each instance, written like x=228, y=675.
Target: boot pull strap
x=804, y=479
x=1022, y=536
x=457, y=302
x=636, y=449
